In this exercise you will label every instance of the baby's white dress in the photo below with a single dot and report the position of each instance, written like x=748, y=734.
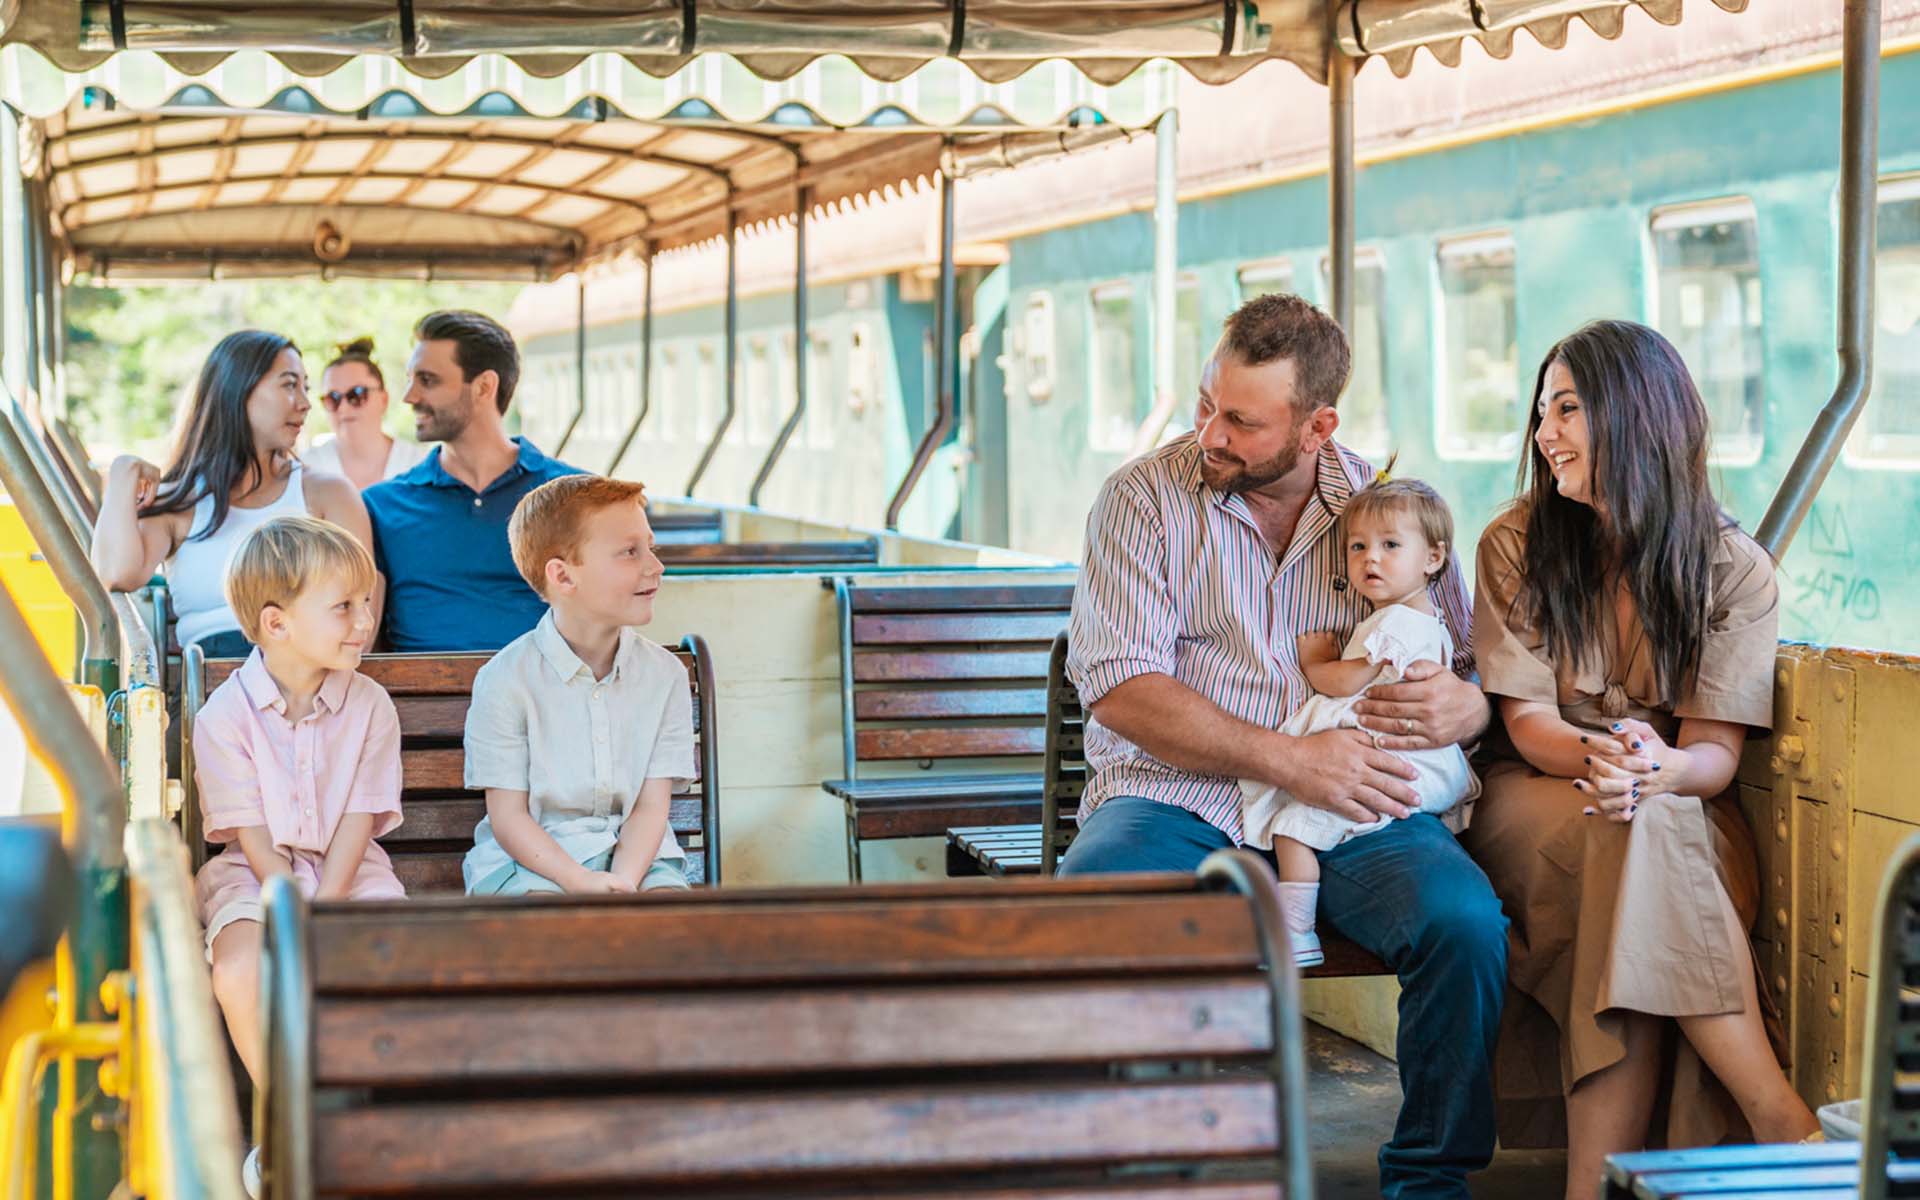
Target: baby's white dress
x=1393, y=637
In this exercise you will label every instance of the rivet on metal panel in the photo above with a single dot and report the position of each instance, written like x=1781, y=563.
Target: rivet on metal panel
x=1792, y=748
x=1834, y=934
x=1780, y=984
x=1780, y=917
x=1780, y=830
x=1833, y=1005
x=1833, y=1090
x=1777, y=765
x=1839, y=690
x=1781, y=677
x=1837, y=781
x=1839, y=849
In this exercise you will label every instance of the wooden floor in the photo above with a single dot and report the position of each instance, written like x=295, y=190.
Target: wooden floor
x=1355, y=1095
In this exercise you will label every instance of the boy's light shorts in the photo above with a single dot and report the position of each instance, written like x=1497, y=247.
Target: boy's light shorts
x=515, y=880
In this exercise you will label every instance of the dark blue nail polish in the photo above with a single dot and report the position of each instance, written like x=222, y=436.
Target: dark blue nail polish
x=1636, y=745
x=1656, y=766
x=1588, y=759
x=1616, y=727
x=1631, y=808
x=1583, y=739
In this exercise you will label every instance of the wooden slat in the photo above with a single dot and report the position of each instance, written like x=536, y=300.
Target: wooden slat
x=414, y=1041
x=437, y=872
x=711, y=1139
x=949, y=786
x=433, y=770
x=1189, y=1189
x=906, y=704
x=452, y=818
x=750, y=554
x=381, y=948
x=438, y=717
x=966, y=741
x=408, y=674
x=896, y=818
x=964, y=628
x=968, y=598
x=926, y=666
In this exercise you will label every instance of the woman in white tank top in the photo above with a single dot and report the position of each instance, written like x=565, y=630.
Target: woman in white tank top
x=232, y=470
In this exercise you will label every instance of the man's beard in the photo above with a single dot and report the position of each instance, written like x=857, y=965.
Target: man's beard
x=1240, y=476
x=443, y=424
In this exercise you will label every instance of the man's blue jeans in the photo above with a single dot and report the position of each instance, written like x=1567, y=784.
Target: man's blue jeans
x=1409, y=894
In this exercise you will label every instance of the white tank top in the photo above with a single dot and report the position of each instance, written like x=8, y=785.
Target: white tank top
x=197, y=572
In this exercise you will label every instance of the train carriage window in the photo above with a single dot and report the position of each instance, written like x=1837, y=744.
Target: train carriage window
x=1033, y=341
x=863, y=374
x=761, y=403
x=1192, y=341
x=664, y=407
x=1268, y=277
x=1888, y=432
x=1707, y=301
x=1114, y=414
x=708, y=398
x=821, y=402
x=1481, y=413
x=1363, y=406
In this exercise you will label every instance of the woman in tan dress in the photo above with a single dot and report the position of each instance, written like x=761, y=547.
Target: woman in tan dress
x=1626, y=629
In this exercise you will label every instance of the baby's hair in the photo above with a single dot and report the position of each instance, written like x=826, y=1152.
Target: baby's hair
x=549, y=521
x=1387, y=496
x=285, y=557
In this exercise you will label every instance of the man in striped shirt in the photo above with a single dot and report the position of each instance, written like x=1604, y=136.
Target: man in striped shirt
x=1204, y=561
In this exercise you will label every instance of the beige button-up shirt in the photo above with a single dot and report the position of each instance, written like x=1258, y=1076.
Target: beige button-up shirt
x=580, y=747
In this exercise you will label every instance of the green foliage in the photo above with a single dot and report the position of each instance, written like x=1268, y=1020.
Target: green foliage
x=133, y=353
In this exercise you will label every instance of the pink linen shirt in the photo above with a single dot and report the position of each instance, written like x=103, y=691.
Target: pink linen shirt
x=1178, y=580
x=298, y=779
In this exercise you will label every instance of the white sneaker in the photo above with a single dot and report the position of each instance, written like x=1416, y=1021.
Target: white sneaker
x=1306, y=948
x=250, y=1173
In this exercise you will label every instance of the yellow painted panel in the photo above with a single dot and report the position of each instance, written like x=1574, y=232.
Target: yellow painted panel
x=793, y=727
x=1886, y=710
x=1366, y=1010
x=1875, y=838
x=35, y=590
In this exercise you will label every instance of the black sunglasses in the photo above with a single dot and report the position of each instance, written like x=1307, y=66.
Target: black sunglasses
x=353, y=397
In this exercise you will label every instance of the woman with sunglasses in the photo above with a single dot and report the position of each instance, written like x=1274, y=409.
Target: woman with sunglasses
x=232, y=471
x=354, y=394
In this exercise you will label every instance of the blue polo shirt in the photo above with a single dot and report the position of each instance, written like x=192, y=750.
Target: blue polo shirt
x=451, y=582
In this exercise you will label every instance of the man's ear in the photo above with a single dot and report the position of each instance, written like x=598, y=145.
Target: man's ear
x=273, y=624
x=1318, y=428
x=559, y=576
x=486, y=389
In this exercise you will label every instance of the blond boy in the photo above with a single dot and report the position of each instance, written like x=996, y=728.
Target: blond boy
x=580, y=729
x=297, y=755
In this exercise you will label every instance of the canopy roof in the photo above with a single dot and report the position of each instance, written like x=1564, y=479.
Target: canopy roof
x=198, y=190
x=998, y=40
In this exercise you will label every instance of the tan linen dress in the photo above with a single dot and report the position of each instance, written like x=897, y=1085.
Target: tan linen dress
x=1611, y=918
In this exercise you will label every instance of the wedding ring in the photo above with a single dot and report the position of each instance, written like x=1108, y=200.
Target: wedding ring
x=1375, y=737
x=1406, y=726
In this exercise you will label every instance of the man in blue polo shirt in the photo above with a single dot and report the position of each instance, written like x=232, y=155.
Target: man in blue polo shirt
x=440, y=530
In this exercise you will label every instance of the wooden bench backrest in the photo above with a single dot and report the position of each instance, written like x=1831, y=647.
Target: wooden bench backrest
x=1066, y=760
x=887, y=1041
x=684, y=528
x=931, y=673
x=431, y=693
x=769, y=554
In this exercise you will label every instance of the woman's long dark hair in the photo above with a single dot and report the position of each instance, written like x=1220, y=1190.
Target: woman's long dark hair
x=1654, y=523
x=216, y=451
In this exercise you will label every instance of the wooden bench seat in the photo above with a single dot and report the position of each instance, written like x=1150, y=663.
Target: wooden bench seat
x=943, y=700
x=1126, y=1039
x=431, y=693
x=768, y=554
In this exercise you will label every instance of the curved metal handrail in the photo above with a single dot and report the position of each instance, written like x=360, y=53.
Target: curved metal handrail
x=33, y=495
x=696, y=645
x=731, y=316
x=69, y=504
x=188, y=1086
x=1242, y=871
x=646, y=370
x=283, y=1101
x=801, y=348
x=579, y=364
x=945, y=361
x=64, y=437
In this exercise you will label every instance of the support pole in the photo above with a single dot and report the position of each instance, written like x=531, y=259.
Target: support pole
x=1340, y=186
x=1858, y=201
x=579, y=360
x=646, y=369
x=1166, y=264
x=945, y=359
x=732, y=335
x=801, y=203
x=13, y=257
x=33, y=494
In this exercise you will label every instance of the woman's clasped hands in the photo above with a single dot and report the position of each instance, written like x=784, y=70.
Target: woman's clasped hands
x=1627, y=766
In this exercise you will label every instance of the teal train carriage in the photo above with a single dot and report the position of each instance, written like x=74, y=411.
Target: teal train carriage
x=1476, y=250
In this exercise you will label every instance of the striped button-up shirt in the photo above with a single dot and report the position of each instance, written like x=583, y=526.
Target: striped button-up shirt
x=1179, y=581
